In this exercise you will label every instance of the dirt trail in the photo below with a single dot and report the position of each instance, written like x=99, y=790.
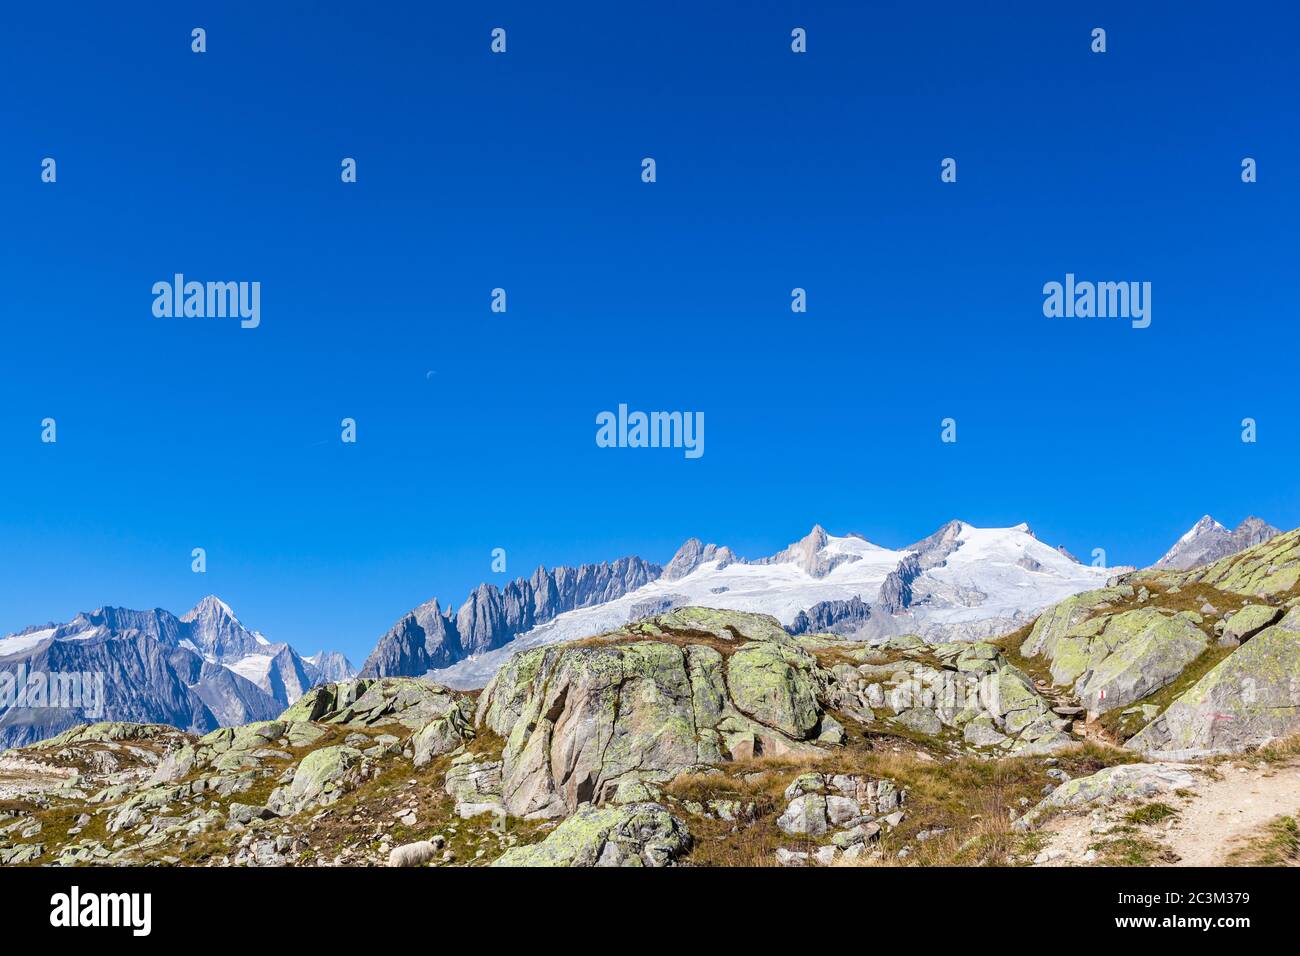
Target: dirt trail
x=1214, y=816
x=1223, y=812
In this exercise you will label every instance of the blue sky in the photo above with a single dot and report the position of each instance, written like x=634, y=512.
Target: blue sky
x=775, y=170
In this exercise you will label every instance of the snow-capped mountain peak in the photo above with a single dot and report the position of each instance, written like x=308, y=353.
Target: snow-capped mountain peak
x=1208, y=541
x=210, y=606
x=1206, y=525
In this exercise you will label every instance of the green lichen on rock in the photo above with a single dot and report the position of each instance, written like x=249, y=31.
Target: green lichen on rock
x=1136, y=654
x=1251, y=697
x=322, y=777
x=645, y=703
x=365, y=702
x=1123, y=782
x=1111, y=657
x=1248, y=622
x=644, y=834
x=1058, y=620
x=773, y=683
x=106, y=730
x=1268, y=569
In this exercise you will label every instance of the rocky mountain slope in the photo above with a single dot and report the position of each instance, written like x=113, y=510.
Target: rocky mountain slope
x=199, y=671
x=962, y=582
x=1185, y=663
x=1207, y=541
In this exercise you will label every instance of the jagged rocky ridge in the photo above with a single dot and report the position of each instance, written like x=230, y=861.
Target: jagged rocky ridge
x=1208, y=541
x=198, y=672
x=428, y=637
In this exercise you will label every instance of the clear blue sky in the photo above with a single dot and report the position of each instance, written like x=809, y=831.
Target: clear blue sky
x=523, y=171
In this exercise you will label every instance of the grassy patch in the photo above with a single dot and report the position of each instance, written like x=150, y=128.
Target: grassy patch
x=968, y=798
x=1276, y=844
x=1037, y=668
x=1150, y=814
x=1131, y=851
x=1279, y=751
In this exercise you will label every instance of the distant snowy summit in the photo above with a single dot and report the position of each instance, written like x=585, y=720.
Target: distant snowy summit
x=200, y=671
x=1208, y=541
x=961, y=582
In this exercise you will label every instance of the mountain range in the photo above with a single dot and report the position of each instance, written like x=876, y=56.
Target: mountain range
x=200, y=671
x=961, y=582
x=205, y=669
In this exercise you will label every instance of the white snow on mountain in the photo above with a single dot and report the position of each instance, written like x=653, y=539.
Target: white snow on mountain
x=1204, y=525
x=24, y=642
x=1208, y=541
x=989, y=582
x=254, y=667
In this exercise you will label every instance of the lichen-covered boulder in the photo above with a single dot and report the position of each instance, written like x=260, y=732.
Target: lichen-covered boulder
x=643, y=834
x=321, y=778
x=1130, y=781
x=1248, y=622
x=475, y=785
x=982, y=732
x=920, y=720
x=1136, y=654
x=978, y=658
x=1251, y=697
x=1114, y=659
x=818, y=803
x=106, y=731
x=445, y=733
x=1058, y=620
x=1011, y=699
x=644, y=703
x=410, y=701
x=604, y=715
x=773, y=682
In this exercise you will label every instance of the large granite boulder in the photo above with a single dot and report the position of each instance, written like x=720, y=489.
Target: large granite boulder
x=642, y=834
x=1136, y=654
x=323, y=776
x=1248, y=622
x=1251, y=697
x=409, y=701
x=1114, y=659
x=645, y=703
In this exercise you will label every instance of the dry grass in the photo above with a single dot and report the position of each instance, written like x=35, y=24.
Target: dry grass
x=1279, y=751
x=1276, y=844
x=1150, y=814
x=968, y=798
x=1037, y=668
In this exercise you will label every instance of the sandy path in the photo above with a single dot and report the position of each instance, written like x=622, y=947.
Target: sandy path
x=1214, y=818
x=1223, y=812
